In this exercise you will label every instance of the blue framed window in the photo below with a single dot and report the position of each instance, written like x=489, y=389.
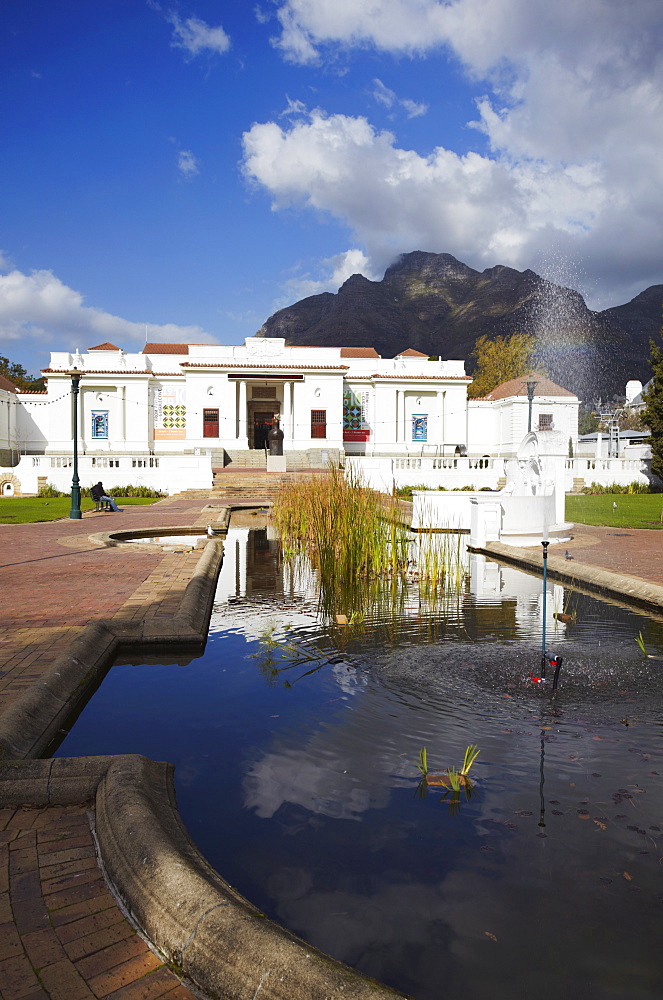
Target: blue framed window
x=100, y=423
x=419, y=426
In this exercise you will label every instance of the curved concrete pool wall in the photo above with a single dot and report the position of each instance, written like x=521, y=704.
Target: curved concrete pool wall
x=197, y=921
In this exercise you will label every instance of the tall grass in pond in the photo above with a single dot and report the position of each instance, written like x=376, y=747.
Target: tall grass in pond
x=366, y=558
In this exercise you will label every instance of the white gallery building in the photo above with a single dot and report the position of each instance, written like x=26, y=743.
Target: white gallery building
x=171, y=415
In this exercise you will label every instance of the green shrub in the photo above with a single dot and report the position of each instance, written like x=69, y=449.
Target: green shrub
x=50, y=491
x=134, y=491
x=405, y=492
x=595, y=489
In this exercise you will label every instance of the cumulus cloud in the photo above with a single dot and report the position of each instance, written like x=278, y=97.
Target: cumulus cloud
x=195, y=36
x=41, y=307
x=396, y=199
x=187, y=164
x=572, y=114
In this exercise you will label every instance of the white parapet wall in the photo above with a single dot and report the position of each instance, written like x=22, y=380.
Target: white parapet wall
x=166, y=473
x=385, y=473
x=606, y=471
x=388, y=473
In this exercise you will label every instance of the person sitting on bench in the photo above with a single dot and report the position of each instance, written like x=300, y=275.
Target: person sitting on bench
x=99, y=495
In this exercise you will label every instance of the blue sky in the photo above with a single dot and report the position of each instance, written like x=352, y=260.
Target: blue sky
x=195, y=166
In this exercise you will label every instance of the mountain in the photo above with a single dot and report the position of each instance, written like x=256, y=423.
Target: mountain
x=438, y=305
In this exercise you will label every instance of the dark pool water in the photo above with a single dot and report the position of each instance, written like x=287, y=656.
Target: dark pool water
x=296, y=777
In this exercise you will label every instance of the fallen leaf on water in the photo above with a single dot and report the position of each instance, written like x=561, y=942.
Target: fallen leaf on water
x=491, y=936
x=600, y=825
x=629, y=878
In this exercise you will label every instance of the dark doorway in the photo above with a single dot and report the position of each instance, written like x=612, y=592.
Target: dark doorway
x=262, y=424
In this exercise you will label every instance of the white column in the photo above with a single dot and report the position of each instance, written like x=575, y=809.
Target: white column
x=241, y=422
x=123, y=415
x=397, y=415
x=287, y=411
x=440, y=417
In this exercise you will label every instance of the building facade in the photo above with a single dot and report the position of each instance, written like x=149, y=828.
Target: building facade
x=171, y=414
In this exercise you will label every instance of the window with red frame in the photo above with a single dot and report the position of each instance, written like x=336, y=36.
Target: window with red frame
x=318, y=423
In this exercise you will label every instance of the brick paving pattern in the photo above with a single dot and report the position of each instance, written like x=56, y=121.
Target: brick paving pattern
x=62, y=936
x=630, y=551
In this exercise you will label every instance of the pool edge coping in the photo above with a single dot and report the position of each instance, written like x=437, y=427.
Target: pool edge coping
x=202, y=927
x=640, y=594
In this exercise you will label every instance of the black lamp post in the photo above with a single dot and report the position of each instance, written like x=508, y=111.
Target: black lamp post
x=75, y=511
x=531, y=384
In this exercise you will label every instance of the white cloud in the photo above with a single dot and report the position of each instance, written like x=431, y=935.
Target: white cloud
x=5, y=262
x=333, y=271
x=195, y=36
x=41, y=307
x=394, y=199
x=415, y=109
x=383, y=95
x=572, y=111
x=187, y=164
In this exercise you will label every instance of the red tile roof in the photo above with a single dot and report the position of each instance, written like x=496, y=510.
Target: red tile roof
x=359, y=352
x=7, y=385
x=264, y=367
x=166, y=349
x=518, y=387
x=411, y=353
x=105, y=347
x=106, y=371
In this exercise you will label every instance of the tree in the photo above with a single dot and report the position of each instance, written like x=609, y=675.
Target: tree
x=652, y=415
x=588, y=422
x=18, y=375
x=499, y=360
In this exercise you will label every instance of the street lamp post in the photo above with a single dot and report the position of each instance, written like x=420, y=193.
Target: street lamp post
x=531, y=384
x=75, y=511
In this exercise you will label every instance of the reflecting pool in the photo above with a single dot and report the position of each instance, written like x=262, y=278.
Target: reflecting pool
x=296, y=743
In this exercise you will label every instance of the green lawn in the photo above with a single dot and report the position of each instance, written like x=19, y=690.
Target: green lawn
x=638, y=510
x=25, y=510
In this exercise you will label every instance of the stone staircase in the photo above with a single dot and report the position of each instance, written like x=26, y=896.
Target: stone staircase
x=252, y=458
x=248, y=486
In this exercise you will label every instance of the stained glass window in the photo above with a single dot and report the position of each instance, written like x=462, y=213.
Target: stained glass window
x=100, y=423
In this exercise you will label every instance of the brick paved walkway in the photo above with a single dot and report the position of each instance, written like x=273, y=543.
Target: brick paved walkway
x=62, y=936
x=632, y=551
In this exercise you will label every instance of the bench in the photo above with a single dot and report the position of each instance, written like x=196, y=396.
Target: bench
x=100, y=504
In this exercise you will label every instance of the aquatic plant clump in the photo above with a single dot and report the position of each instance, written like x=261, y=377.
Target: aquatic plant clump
x=343, y=527
x=354, y=537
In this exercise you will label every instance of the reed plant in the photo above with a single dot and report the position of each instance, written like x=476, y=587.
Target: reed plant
x=364, y=555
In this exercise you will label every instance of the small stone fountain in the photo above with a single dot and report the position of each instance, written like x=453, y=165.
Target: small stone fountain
x=530, y=508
